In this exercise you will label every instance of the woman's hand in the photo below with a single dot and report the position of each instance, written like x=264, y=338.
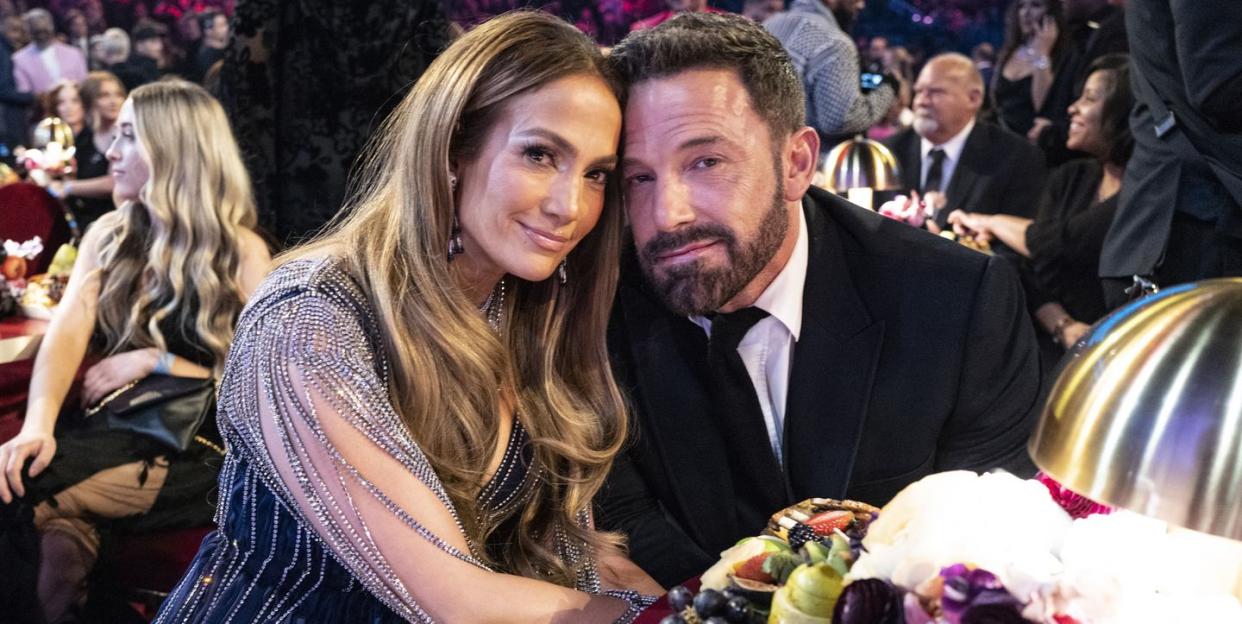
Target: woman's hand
x=1041, y=123
x=1072, y=333
x=616, y=571
x=1046, y=33
x=972, y=224
x=40, y=445
x=116, y=371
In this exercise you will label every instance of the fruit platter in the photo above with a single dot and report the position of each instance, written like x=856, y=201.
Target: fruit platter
x=964, y=548
x=37, y=295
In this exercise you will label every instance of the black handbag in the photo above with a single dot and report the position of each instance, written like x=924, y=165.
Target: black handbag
x=165, y=408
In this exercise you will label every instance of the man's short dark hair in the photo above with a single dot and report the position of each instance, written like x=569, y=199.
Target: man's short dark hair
x=147, y=29
x=710, y=41
x=207, y=18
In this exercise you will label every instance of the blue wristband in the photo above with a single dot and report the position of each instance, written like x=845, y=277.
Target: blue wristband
x=163, y=364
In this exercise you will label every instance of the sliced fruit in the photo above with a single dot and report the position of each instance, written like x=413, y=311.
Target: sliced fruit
x=752, y=569
x=759, y=594
x=829, y=522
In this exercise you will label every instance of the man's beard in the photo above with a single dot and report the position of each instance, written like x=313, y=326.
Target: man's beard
x=925, y=125
x=692, y=289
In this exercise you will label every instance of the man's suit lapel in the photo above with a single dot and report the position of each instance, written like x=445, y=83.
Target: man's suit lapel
x=911, y=175
x=966, y=174
x=670, y=363
x=833, y=368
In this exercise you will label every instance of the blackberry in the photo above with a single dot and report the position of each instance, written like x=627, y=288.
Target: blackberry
x=800, y=535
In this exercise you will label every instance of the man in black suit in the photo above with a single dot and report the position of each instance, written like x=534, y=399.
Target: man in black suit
x=970, y=165
x=14, y=104
x=1180, y=214
x=776, y=341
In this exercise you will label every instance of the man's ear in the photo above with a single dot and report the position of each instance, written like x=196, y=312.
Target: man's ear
x=801, y=158
x=975, y=97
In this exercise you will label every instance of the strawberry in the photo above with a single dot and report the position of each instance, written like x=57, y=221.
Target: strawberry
x=752, y=569
x=827, y=522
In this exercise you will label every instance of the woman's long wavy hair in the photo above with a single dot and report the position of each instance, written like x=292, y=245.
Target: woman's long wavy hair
x=175, y=253
x=1013, y=37
x=446, y=362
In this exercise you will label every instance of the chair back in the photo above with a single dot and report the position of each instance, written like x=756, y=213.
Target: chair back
x=27, y=211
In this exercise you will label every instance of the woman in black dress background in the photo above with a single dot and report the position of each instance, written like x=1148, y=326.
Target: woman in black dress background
x=1063, y=243
x=1032, y=87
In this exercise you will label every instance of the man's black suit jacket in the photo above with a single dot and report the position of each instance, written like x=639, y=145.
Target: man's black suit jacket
x=1189, y=63
x=915, y=356
x=999, y=172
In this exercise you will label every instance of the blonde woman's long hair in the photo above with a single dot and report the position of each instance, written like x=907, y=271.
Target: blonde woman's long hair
x=446, y=362
x=175, y=253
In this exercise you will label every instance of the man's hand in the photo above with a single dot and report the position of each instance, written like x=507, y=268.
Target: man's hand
x=116, y=371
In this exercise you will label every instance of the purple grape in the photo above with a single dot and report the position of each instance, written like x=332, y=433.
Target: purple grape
x=737, y=610
x=673, y=619
x=716, y=619
x=679, y=598
x=709, y=602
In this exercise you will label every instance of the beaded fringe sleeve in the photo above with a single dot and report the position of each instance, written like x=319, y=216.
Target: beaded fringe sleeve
x=306, y=381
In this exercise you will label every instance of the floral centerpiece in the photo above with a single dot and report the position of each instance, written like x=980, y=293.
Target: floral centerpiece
x=963, y=548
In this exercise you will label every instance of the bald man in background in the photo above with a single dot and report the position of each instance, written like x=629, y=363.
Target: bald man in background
x=974, y=166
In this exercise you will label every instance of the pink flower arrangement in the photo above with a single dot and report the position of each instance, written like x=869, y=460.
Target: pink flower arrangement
x=1074, y=504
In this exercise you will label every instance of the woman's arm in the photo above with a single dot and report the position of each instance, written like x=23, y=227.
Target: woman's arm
x=616, y=571
x=1064, y=329
x=256, y=262
x=1008, y=229
x=97, y=187
x=60, y=353
x=342, y=457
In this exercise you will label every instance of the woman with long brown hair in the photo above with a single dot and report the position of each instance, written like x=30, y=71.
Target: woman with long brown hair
x=154, y=294
x=1031, y=87
x=418, y=405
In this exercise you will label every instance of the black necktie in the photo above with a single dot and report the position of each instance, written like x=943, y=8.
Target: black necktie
x=935, y=173
x=758, y=479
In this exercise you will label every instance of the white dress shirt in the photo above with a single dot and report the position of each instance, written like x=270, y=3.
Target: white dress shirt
x=767, y=348
x=952, y=155
x=48, y=56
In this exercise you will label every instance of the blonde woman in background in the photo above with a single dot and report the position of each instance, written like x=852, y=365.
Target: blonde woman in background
x=419, y=406
x=156, y=289
x=97, y=104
